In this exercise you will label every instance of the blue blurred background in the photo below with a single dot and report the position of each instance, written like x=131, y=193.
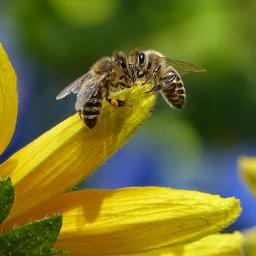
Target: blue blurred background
x=53, y=42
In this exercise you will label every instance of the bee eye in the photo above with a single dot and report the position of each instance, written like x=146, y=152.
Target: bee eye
x=141, y=58
x=122, y=64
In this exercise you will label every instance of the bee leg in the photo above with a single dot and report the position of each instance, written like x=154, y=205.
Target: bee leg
x=80, y=113
x=169, y=79
x=156, y=88
x=166, y=82
x=128, y=81
x=152, y=76
x=123, y=85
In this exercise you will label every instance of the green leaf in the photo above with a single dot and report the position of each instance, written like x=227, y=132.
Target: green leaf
x=33, y=239
x=58, y=251
x=7, y=195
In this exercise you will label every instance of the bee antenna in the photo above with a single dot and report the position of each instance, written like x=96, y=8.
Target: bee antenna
x=115, y=52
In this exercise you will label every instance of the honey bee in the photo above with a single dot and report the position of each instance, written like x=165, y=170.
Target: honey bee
x=106, y=75
x=153, y=66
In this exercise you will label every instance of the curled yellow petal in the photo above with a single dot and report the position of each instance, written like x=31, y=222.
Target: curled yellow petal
x=134, y=220
x=213, y=245
x=250, y=242
x=247, y=168
x=8, y=100
x=70, y=151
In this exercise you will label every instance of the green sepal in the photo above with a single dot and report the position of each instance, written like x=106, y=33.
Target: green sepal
x=7, y=195
x=32, y=239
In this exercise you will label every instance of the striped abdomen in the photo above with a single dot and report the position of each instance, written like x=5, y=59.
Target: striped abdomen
x=90, y=112
x=174, y=92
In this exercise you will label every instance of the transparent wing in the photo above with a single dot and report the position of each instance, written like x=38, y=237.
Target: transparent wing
x=73, y=87
x=88, y=88
x=183, y=66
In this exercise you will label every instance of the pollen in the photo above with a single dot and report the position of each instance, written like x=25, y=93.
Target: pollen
x=114, y=102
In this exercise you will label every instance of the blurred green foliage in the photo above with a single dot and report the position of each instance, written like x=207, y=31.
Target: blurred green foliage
x=67, y=37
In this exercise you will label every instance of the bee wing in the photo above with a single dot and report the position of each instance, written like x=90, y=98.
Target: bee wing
x=88, y=88
x=183, y=66
x=73, y=87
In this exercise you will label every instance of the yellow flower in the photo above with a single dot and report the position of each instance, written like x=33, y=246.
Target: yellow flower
x=247, y=170
x=247, y=167
x=213, y=245
x=250, y=242
x=103, y=222
x=8, y=100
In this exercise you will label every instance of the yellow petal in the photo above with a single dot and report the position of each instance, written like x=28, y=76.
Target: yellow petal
x=8, y=100
x=70, y=151
x=250, y=242
x=213, y=245
x=134, y=220
x=247, y=168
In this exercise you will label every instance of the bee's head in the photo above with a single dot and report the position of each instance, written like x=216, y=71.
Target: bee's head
x=104, y=65
x=137, y=62
x=121, y=61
